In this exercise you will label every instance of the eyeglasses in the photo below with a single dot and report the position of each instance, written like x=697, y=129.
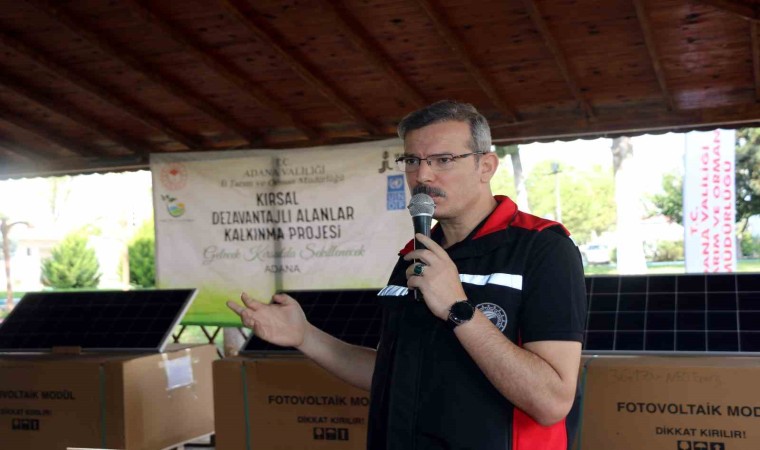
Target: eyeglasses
x=438, y=163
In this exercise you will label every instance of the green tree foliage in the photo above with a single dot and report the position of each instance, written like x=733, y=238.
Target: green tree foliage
x=747, y=174
x=587, y=198
x=667, y=251
x=72, y=264
x=503, y=182
x=142, y=257
x=750, y=245
x=670, y=201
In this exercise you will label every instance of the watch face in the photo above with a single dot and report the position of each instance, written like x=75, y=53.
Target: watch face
x=462, y=311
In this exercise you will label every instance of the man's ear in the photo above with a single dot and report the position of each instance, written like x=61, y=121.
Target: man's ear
x=489, y=162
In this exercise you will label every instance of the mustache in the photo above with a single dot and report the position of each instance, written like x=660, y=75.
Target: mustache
x=429, y=190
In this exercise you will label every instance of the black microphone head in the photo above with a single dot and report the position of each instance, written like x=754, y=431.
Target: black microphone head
x=421, y=205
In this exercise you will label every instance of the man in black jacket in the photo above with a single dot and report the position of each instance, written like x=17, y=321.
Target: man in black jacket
x=488, y=357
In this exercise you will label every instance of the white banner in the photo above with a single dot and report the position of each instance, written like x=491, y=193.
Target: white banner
x=263, y=221
x=709, y=202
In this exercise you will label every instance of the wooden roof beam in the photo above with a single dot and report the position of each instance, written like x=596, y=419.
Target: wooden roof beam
x=627, y=122
x=11, y=146
x=121, y=53
x=8, y=157
x=740, y=8
x=72, y=113
x=755, y=40
x=222, y=67
x=654, y=56
x=559, y=57
x=298, y=64
x=366, y=44
x=127, y=106
x=751, y=12
x=441, y=25
x=65, y=143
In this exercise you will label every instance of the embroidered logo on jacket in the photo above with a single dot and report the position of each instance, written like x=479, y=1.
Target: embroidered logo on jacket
x=495, y=314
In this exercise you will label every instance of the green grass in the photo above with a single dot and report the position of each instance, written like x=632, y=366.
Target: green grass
x=743, y=265
x=194, y=335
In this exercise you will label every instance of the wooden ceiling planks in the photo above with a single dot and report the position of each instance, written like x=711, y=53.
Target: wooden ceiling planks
x=463, y=54
x=89, y=85
x=222, y=69
x=746, y=9
x=54, y=72
x=410, y=39
x=47, y=133
x=536, y=16
x=59, y=106
x=755, y=43
x=29, y=150
x=522, y=64
x=297, y=59
x=654, y=54
x=606, y=51
x=125, y=55
x=354, y=32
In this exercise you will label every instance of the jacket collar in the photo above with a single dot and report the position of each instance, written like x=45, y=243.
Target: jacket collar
x=499, y=219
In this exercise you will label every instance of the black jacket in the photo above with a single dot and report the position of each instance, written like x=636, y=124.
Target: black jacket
x=526, y=275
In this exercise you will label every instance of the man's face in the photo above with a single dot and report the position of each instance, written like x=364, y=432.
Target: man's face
x=453, y=189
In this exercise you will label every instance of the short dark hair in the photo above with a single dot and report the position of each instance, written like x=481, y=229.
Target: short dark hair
x=449, y=110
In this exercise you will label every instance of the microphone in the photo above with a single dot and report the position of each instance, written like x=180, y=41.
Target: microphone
x=421, y=207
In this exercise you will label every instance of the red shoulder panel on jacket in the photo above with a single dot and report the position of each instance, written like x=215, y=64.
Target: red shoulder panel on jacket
x=531, y=222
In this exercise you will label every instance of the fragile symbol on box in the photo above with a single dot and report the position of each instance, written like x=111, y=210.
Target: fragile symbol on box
x=330, y=434
x=701, y=445
x=25, y=424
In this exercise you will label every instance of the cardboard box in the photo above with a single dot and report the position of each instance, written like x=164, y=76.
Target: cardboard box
x=284, y=403
x=671, y=403
x=132, y=402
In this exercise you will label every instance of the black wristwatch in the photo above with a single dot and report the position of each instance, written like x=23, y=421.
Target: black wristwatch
x=460, y=312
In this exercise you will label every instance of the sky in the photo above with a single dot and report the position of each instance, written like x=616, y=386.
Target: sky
x=655, y=156
x=103, y=200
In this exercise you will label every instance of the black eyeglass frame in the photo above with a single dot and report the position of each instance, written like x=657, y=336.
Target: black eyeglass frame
x=431, y=158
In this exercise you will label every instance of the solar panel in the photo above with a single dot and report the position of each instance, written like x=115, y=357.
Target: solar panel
x=694, y=313
x=352, y=316
x=139, y=320
x=699, y=313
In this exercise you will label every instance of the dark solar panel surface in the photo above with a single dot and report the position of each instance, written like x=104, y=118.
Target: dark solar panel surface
x=626, y=314
x=353, y=316
x=140, y=320
x=673, y=313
